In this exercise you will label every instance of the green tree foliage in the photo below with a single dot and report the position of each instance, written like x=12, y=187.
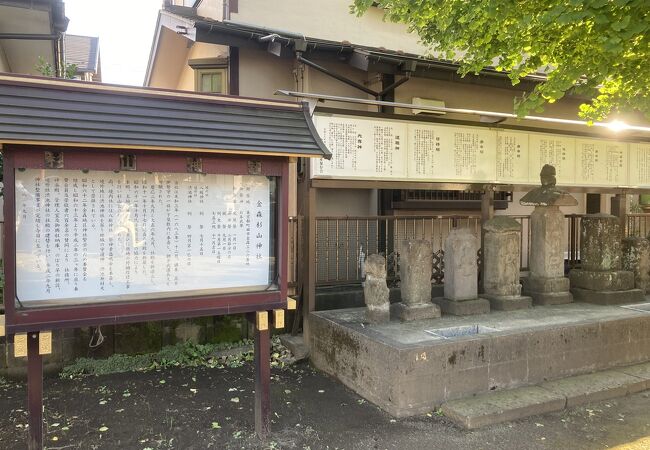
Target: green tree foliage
x=599, y=48
x=45, y=68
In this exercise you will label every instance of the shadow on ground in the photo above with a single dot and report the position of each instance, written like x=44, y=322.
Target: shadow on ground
x=202, y=408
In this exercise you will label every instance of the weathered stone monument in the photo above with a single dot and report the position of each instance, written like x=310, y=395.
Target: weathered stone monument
x=502, y=261
x=546, y=283
x=375, y=290
x=416, y=265
x=636, y=258
x=600, y=278
x=461, y=276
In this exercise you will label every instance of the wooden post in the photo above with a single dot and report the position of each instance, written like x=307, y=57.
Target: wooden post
x=262, y=350
x=34, y=392
x=307, y=273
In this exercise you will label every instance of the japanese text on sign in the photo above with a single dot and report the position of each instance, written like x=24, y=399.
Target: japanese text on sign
x=102, y=235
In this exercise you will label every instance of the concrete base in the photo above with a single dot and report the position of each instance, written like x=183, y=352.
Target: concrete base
x=608, y=297
x=508, y=302
x=493, y=408
x=378, y=315
x=547, y=291
x=611, y=280
x=414, y=367
x=408, y=313
x=463, y=307
x=551, y=298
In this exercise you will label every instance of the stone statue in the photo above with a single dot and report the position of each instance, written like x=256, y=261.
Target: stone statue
x=546, y=283
x=547, y=194
x=415, y=267
x=375, y=290
x=601, y=278
x=461, y=275
x=501, y=260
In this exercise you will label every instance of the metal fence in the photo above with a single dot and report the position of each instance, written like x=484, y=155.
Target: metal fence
x=637, y=225
x=343, y=243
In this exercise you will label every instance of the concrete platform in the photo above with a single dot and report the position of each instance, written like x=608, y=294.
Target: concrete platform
x=504, y=406
x=412, y=368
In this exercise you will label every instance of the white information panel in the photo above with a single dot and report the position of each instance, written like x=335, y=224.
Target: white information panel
x=102, y=236
x=375, y=149
x=601, y=162
x=451, y=153
x=512, y=157
x=640, y=164
x=362, y=148
x=558, y=151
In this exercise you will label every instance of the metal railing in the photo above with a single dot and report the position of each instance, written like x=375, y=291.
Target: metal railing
x=343, y=243
x=637, y=225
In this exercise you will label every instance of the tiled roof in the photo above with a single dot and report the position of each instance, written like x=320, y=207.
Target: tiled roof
x=36, y=109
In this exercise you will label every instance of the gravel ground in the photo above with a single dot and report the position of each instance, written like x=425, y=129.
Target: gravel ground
x=201, y=408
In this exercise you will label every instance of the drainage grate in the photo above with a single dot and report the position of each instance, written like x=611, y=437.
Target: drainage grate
x=643, y=307
x=466, y=330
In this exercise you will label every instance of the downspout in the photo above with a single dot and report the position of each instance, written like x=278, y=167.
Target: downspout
x=59, y=57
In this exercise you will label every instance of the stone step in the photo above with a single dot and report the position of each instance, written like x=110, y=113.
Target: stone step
x=296, y=345
x=513, y=404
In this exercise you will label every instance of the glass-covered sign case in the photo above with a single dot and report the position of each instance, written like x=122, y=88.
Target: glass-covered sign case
x=92, y=241
x=101, y=236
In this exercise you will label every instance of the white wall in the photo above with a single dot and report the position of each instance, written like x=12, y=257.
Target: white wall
x=261, y=74
x=198, y=50
x=329, y=20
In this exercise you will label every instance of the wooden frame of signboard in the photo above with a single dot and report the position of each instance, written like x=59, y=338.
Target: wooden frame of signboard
x=47, y=125
x=116, y=312
x=33, y=322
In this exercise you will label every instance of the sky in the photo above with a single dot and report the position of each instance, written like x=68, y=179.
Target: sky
x=125, y=31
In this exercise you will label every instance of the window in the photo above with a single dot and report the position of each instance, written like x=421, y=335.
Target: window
x=211, y=80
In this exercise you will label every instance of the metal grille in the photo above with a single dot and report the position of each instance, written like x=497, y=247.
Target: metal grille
x=637, y=225
x=343, y=243
x=423, y=195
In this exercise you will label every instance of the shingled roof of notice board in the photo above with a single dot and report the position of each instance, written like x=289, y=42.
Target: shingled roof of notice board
x=67, y=112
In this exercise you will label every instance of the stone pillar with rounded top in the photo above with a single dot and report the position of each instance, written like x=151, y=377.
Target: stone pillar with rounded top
x=546, y=283
x=636, y=259
x=461, y=276
x=502, y=263
x=601, y=278
x=415, y=268
x=375, y=290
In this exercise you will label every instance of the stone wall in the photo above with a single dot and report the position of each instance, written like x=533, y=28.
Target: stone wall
x=409, y=377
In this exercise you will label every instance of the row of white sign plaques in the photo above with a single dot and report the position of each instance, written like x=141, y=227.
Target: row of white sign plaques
x=368, y=148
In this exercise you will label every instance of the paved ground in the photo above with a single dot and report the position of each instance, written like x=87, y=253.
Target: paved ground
x=211, y=408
